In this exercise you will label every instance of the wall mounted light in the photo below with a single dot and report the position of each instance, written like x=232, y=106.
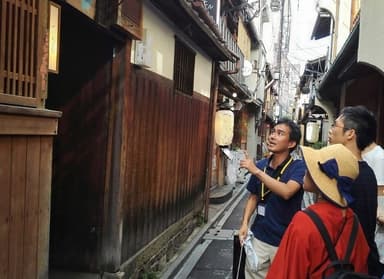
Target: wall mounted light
x=54, y=37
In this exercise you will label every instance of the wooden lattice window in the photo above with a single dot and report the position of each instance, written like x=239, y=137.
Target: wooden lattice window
x=22, y=44
x=184, y=68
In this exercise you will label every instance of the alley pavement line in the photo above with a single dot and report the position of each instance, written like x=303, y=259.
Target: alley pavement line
x=237, y=197
x=220, y=234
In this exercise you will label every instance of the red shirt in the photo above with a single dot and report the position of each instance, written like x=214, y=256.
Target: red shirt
x=302, y=252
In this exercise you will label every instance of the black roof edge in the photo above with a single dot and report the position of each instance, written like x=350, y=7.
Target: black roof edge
x=345, y=56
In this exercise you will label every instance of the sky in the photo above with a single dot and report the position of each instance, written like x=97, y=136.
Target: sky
x=302, y=48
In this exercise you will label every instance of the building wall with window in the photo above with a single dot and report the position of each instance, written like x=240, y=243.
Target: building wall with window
x=159, y=41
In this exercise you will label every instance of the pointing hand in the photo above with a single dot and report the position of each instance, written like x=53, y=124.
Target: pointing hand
x=248, y=164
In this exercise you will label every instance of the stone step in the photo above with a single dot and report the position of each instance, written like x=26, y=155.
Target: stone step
x=221, y=194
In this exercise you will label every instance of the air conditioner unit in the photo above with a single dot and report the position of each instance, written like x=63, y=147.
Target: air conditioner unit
x=143, y=50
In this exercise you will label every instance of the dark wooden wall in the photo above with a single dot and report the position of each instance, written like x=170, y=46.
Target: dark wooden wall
x=81, y=91
x=138, y=166
x=166, y=159
x=368, y=91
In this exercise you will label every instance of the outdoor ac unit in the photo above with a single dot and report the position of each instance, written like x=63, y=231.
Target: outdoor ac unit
x=143, y=50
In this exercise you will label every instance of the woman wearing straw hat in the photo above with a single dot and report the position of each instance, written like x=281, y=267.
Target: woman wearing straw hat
x=302, y=252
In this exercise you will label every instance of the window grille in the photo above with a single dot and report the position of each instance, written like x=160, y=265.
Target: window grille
x=21, y=45
x=184, y=68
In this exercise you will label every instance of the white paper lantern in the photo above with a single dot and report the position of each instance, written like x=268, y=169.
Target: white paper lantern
x=312, y=132
x=224, y=123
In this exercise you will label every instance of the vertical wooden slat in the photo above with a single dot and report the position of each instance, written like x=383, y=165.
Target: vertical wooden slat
x=182, y=160
x=129, y=190
x=16, y=249
x=16, y=46
x=173, y=167
x=2, y=42
x=28, y=52
x=33, y=33
x=169, y=159
x=31, y=207
x=10, y=6
x=137, y=166
x=21, y=48
x=44, y=206
x=5, y=192
x=143, y=151
x=160, y=152
x=151, y=155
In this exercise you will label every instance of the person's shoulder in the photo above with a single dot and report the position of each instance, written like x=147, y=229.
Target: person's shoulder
x=366, y=174
x=379, y=151
x=262, y=162
x=365, y=169
x=298, y=163
x=301, y=222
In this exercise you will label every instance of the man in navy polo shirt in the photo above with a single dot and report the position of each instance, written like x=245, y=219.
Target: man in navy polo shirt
x=275, y=195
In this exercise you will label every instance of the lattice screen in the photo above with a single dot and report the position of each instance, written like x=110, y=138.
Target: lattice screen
x=22, y=24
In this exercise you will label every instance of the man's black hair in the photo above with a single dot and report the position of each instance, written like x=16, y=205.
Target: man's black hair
x=362, y=121
x=294, y=133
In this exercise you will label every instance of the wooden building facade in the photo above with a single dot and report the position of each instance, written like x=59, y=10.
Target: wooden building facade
x=123, y=181
x=131, y=160
x=27, y=130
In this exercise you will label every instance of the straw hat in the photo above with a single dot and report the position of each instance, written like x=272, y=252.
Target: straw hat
x=333, y=169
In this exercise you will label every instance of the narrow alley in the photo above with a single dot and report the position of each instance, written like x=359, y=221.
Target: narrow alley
x=212, y=255
x=121, y=119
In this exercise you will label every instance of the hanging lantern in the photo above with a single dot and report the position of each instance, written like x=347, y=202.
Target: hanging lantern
x=224, y=123
x=312, y=132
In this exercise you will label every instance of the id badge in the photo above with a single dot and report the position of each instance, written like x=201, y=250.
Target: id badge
x=261, y=209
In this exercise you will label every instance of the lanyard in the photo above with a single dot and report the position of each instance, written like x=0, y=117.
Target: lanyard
x=264, y=190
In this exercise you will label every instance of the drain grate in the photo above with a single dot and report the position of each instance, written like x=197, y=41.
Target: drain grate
x=219, y=234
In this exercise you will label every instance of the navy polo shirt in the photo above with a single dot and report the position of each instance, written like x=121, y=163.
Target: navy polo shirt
x=278, y=211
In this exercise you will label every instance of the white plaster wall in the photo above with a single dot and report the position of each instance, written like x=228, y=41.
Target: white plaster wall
x=344, y=25
x=160, y=49
x=203, y=72
x=160, y=43
x=371, y=38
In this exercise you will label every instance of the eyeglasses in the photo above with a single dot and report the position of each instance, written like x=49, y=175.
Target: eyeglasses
x=344, y=128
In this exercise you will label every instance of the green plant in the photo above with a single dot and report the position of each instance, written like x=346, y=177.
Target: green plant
x=148, y=275
x=199, y=219
x=319, y=144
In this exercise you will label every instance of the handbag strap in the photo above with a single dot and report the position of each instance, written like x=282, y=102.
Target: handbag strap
x=325, y=235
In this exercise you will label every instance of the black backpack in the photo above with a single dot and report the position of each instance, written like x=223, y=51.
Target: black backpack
x=342, y=268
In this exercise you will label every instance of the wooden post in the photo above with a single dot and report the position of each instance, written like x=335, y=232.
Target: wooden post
x=211, y=136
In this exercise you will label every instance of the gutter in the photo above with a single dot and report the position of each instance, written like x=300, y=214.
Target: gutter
x=206, y=29
x=199, y=7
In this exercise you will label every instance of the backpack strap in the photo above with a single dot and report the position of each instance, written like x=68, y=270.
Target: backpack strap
x=325, y=235
x=352, y=238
